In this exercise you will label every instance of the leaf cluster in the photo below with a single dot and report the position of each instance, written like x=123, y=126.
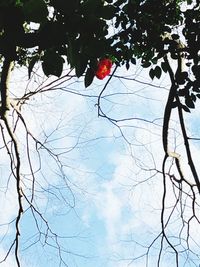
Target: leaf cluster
x=63, y=29
x=77, y=31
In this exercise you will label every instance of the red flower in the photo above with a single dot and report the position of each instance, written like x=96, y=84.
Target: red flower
x=103, y=68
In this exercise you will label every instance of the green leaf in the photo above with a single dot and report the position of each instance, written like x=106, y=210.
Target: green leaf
x=81, y=66
x=157, y=72
x=127, y=65
x=89, y=76
x=35, y=11
x=189, y=102
x=151, y=73
x=185, y=108
x=193, y=97
x=72, y=53
x=164, y=67
x=52, y=64
x=133, y=60
x=146, y=64
x=154, y=60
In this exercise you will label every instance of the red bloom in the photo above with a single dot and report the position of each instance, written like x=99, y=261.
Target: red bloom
x=103, y=68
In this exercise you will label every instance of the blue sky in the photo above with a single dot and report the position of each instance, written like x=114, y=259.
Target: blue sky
x=103, y=198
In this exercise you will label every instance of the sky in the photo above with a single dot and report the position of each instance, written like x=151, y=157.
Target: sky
x=98, y=181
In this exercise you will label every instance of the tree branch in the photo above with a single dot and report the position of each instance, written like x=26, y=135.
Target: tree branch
x=16, y=162
x=5, y=77
x=168, y=107
x=187, y=145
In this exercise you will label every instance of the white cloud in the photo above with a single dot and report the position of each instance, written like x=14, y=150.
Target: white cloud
x=10, y=261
